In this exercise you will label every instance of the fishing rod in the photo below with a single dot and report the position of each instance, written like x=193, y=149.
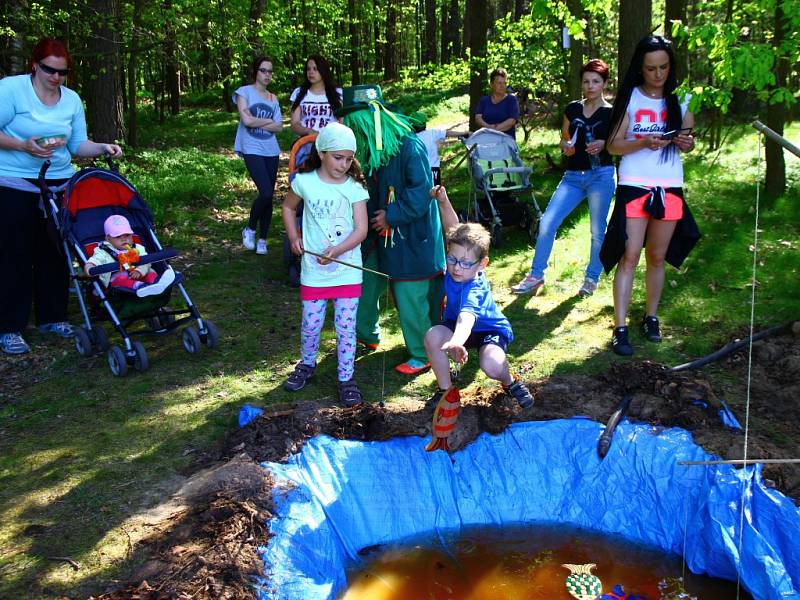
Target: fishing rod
x=346, y=264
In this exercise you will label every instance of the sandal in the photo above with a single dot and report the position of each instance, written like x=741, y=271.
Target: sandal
x=349, y=394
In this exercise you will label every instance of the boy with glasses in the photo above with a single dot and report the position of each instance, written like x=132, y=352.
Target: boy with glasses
x=471, y=318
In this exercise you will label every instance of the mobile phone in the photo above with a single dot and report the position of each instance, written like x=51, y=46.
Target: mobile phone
x=668, y=135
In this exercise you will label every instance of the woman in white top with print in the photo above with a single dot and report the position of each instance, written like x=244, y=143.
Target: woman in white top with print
x=649, y=128
x=315, y=100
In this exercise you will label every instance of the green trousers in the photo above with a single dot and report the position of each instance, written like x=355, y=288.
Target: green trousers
x=419, y=305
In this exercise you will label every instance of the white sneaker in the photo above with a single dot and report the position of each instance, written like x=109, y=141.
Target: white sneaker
x=528, y=285
x=261, y=247
x=158, y=286
x=249, y=238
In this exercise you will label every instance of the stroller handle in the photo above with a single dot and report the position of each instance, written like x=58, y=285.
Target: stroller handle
x=524, y=170
x=154, y=257
x=110, y=162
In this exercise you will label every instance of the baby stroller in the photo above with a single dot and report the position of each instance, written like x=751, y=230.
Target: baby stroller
x=301, y=149
x=90, y=197
x=499, y=181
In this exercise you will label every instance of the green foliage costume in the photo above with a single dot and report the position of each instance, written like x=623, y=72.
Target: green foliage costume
x=411, y=252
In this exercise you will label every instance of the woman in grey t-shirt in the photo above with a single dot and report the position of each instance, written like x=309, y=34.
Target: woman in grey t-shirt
x=259, y=120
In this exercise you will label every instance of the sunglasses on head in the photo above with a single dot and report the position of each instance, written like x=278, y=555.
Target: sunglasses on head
x=52, y=71
x=264, y=71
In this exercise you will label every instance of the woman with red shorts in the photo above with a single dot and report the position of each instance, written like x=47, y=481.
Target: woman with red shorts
x=649, y=128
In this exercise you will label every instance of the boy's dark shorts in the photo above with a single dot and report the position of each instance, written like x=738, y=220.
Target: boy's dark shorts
x=478, y=339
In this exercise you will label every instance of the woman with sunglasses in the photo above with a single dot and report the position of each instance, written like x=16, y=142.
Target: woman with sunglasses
x=259, y=120
x=40, y=120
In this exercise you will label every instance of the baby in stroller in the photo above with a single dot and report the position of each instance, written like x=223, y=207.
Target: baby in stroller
x=119, y=247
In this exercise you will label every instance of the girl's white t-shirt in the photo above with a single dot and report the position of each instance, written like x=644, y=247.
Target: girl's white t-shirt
x=315, y=111
x=328, y=221
x=432, y=138
x=645, y=167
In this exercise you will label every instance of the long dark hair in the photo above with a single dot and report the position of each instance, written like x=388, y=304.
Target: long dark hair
x=330, y=87
x=634, y=78
x=314, y=162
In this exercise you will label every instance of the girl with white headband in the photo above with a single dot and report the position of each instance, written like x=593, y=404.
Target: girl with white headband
x=330, y=184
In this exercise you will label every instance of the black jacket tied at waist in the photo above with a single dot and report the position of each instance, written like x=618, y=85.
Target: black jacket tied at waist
x=686, y=234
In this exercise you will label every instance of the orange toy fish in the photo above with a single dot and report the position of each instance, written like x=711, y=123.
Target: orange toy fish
x=127, y=260
x=445, y=417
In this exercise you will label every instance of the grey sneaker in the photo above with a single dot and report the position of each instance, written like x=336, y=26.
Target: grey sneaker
x=61, y=328
x=529, y=285
x=299, y=378
x=588, y=288
x=248, y=238
x=12, y=343
x=261, y=247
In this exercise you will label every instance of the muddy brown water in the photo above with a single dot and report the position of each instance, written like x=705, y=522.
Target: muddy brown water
x=522, y=563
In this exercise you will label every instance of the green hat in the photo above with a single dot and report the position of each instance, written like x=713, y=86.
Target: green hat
x=418, y=120
x=358, y=97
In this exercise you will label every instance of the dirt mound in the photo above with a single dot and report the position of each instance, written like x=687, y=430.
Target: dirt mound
x=209, y=549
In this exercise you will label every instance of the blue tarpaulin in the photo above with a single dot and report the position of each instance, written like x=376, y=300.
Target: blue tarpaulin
x=337, y=497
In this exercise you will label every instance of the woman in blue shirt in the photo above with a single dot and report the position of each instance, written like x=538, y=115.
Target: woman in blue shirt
x=499, y=110
x=40, y=120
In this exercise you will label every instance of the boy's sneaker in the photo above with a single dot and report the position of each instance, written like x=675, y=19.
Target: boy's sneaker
x=349, y=394
x=620, y=343
x=299, y=378
x=61, y=328
x=651, y=329
x=434, y=399
x=588, y=288
x=12, y=343
x=261, y=247
x=249, y=238
x=528, y=285
x=519, y=392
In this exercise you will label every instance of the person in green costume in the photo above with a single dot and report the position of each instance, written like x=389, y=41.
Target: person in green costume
x=405, y=239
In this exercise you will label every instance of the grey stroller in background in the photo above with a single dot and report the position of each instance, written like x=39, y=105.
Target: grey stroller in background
x=501, y=192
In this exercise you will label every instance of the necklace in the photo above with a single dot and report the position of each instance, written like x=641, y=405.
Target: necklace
x=649, y=93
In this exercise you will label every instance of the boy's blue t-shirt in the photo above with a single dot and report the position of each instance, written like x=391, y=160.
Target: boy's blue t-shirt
x=475, y=297
x=24, y=116
x=254, y=140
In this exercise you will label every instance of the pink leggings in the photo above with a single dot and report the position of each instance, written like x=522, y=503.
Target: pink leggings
x=344, y=321
x=123, y=280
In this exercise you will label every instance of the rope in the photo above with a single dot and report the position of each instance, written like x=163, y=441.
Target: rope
x=749, y=364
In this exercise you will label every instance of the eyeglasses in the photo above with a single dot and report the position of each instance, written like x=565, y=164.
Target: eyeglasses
x=264, y=71
x=52, y=71
x=464, y=264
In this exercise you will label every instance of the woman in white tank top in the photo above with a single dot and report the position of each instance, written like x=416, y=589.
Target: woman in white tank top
x=649, y=128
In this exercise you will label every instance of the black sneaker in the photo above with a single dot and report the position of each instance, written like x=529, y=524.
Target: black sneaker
x=299, y=378
x=620, y=343
x=520, y=393
x=651, y=329
x=349, y=394
x=434, y=399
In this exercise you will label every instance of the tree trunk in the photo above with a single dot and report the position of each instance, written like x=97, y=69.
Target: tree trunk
x=520, y=6
x=430, y=32
x=133, y=59
x=171, y=67
x=775, y=176
x=576, y=54
x=675, y=10
x=453, y=31
x=390, y=49
x=103, y=94
x=256, y=12
x=376, y=36
x=635, y=22
x=477, y=63
x=444, y=42
x=355, y=58
x=13, y=45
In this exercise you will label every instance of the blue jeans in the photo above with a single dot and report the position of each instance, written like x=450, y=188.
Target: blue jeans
x=598, y=187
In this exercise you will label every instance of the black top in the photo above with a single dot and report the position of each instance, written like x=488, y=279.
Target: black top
x=598, y=124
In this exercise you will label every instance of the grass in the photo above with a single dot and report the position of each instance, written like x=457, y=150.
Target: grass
x=82, y=454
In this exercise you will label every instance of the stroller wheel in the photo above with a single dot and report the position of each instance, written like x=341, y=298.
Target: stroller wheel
x=211, y=335
x=140, y=362
x=99, y=337
x=497, y=235
x=191, y=340
x=117, y=362
x=82, y=342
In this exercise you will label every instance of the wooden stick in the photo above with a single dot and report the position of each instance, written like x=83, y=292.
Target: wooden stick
x=66, y=559
x=346, y=264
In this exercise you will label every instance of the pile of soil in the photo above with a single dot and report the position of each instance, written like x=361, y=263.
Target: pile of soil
x=209, y=549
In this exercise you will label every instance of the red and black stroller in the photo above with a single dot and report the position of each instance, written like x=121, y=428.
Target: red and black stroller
x=90, y=197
